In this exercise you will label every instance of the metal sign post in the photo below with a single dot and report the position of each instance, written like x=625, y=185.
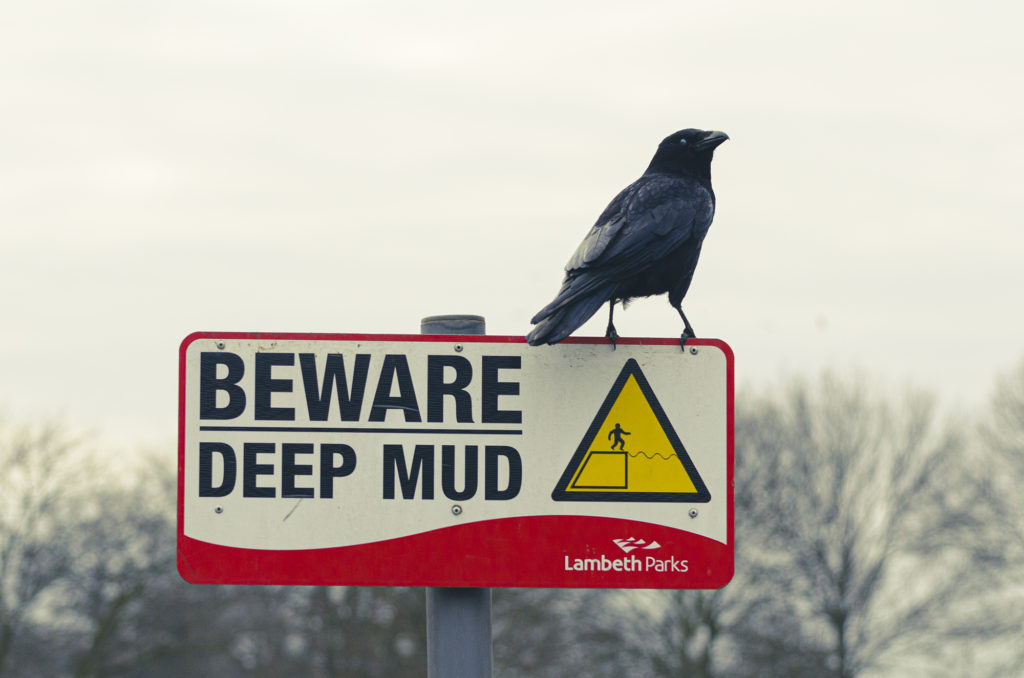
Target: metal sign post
x=458, y=619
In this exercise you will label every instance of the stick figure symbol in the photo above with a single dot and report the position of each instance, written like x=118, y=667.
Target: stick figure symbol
x=618, y=432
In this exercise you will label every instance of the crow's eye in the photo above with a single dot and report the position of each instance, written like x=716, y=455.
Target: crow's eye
x=682, y=142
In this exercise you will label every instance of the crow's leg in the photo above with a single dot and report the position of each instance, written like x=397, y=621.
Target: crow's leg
x=687, y=331
x=610, y=333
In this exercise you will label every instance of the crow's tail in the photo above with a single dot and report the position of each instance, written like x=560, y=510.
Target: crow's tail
x=563, y=316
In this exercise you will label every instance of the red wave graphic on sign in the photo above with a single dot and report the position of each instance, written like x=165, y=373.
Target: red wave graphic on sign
x=563, y=551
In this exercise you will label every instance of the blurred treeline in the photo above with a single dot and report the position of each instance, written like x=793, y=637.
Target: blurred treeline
x=877, y=535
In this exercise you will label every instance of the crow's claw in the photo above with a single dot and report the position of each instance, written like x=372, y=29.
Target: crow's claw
x=684, y=337
x=612, y=335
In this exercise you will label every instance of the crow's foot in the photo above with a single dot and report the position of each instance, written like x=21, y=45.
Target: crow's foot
x=611, y=335
x=684, y=337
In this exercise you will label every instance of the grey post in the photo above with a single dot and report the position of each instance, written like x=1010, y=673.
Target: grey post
x=458, y=619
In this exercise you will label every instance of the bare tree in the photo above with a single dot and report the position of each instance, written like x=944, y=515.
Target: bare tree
x=40, y=473
x=115, y=603
x=543, y=633
x=673, y=633
x=364, y=632
x=855, y=533
x=999, y=540
x=1003, y=434
x=88, y=585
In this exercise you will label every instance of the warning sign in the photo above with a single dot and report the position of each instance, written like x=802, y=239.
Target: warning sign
x=454, y=460
x=631, y=451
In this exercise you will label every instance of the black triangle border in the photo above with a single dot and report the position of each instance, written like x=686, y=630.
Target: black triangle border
x=701, y=495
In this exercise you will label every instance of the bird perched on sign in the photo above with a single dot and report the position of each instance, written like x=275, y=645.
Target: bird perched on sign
x=646, y=241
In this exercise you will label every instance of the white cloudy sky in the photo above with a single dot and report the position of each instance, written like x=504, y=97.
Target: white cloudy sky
x=167, y=167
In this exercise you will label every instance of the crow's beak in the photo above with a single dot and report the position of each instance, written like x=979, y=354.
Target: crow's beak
x=711, y=141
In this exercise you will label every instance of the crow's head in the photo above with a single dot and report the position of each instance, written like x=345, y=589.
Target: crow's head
x=687, y=151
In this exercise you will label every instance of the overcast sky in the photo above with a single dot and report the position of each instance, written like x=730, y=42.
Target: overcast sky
x=167, y=167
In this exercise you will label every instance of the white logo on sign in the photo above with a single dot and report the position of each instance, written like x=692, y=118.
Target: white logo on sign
x=632, y=543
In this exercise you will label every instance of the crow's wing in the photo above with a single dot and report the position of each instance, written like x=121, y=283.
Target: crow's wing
x=645, y=222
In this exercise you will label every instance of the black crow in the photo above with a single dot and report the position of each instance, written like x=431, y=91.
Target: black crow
x=646, y=241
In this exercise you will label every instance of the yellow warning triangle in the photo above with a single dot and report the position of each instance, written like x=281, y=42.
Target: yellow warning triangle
x=631, y=452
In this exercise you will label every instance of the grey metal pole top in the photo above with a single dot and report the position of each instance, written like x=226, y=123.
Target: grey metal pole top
x=453, y=324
